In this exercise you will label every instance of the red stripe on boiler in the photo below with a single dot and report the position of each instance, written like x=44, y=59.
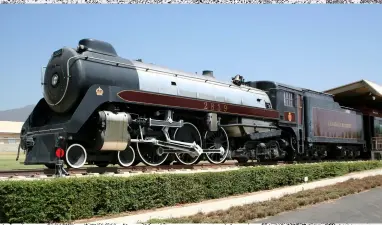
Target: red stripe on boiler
x=196, y=104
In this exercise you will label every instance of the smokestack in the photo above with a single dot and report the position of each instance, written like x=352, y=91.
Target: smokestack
x=209, y=73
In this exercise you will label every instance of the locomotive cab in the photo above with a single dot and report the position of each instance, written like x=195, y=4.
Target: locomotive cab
x=288, y=101
x=284, y=98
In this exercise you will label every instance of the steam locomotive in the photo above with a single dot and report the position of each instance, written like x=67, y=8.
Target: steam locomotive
x=101, y=109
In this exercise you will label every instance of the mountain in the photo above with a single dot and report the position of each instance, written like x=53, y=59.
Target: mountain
x=17, y=115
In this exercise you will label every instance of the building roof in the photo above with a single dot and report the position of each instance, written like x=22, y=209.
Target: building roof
x=363, y=95
x=10, y=127
x=361, y=87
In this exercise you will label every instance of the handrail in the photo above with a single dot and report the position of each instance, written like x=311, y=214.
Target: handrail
x=376, y=143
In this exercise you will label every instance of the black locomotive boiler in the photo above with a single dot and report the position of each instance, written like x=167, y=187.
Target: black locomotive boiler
x=101, y=109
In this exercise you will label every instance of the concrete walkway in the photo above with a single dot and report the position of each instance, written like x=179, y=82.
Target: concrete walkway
x=365, y=207
x=226, y=203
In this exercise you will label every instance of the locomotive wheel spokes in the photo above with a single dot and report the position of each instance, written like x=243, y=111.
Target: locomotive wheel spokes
x=126, y=158
x=150, y=154
x=215, y=140
x=188, y=133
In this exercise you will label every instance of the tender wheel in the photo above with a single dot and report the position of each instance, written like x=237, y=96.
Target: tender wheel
x=151, y=155
x=126, y=158
x=76, y=156
x=215, y=140
x=188, y=133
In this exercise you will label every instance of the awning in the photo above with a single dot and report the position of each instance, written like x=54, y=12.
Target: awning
x=359, y=88
x=359, y=95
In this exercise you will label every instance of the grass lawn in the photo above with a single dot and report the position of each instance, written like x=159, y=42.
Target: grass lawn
x=8, y=161
x=250, y=212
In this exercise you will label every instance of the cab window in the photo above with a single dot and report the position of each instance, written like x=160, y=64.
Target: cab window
x=288, y=99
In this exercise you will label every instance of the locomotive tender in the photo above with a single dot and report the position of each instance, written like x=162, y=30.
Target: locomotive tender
x=99, y=108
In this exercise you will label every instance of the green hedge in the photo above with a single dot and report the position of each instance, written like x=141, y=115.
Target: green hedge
x=67, y=199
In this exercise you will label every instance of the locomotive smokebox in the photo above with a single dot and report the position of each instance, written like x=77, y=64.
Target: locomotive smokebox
x=71, y=72
x=208, y=73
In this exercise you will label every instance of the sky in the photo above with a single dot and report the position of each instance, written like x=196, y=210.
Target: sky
x=312, y=46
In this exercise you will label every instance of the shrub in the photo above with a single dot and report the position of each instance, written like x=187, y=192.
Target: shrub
x=68, y=199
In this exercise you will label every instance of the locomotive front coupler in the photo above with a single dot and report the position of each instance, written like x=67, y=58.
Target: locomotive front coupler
x=59, y=169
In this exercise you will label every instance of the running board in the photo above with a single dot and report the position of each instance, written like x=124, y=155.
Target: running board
x=179, y=147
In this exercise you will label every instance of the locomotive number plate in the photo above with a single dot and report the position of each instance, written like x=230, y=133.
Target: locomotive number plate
x=215, y=107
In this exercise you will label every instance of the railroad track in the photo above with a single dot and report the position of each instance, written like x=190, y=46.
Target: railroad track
x=137, y=170
x=130, y=171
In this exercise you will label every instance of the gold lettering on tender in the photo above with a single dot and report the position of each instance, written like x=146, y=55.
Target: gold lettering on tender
x=339, y=124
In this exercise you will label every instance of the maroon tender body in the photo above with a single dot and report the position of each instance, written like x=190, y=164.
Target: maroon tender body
x=344, y=124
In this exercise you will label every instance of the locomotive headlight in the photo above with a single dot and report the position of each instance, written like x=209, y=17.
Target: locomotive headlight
x=54, y=80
